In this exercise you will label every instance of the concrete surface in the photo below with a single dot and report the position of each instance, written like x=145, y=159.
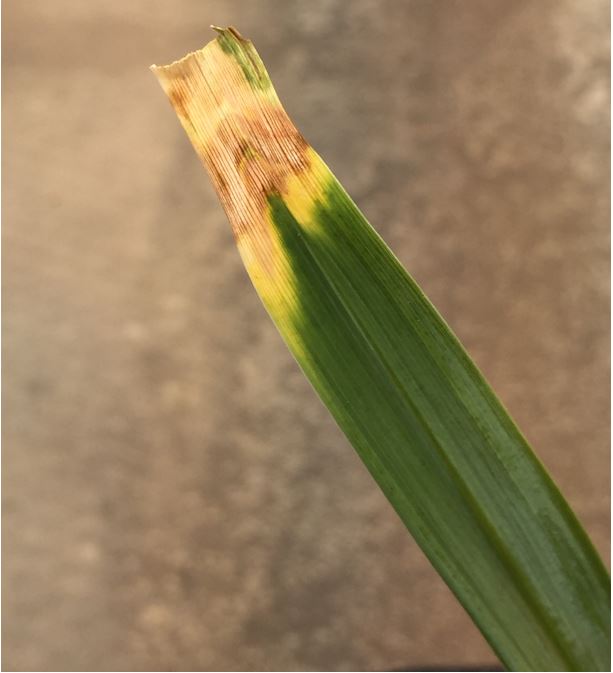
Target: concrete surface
x=175, y=497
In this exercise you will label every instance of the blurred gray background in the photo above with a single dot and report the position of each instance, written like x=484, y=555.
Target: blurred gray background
x=175, y=496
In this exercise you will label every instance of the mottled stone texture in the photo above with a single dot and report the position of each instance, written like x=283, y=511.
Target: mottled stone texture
x=175, y=496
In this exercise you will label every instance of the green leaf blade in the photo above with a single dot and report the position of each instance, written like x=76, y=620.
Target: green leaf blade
x=464, y=506
x=426, y=424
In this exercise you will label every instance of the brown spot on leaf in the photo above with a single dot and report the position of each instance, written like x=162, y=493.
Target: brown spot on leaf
x=179, y=101
x=237, y=35
x=220, y=184
x=250, y=156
